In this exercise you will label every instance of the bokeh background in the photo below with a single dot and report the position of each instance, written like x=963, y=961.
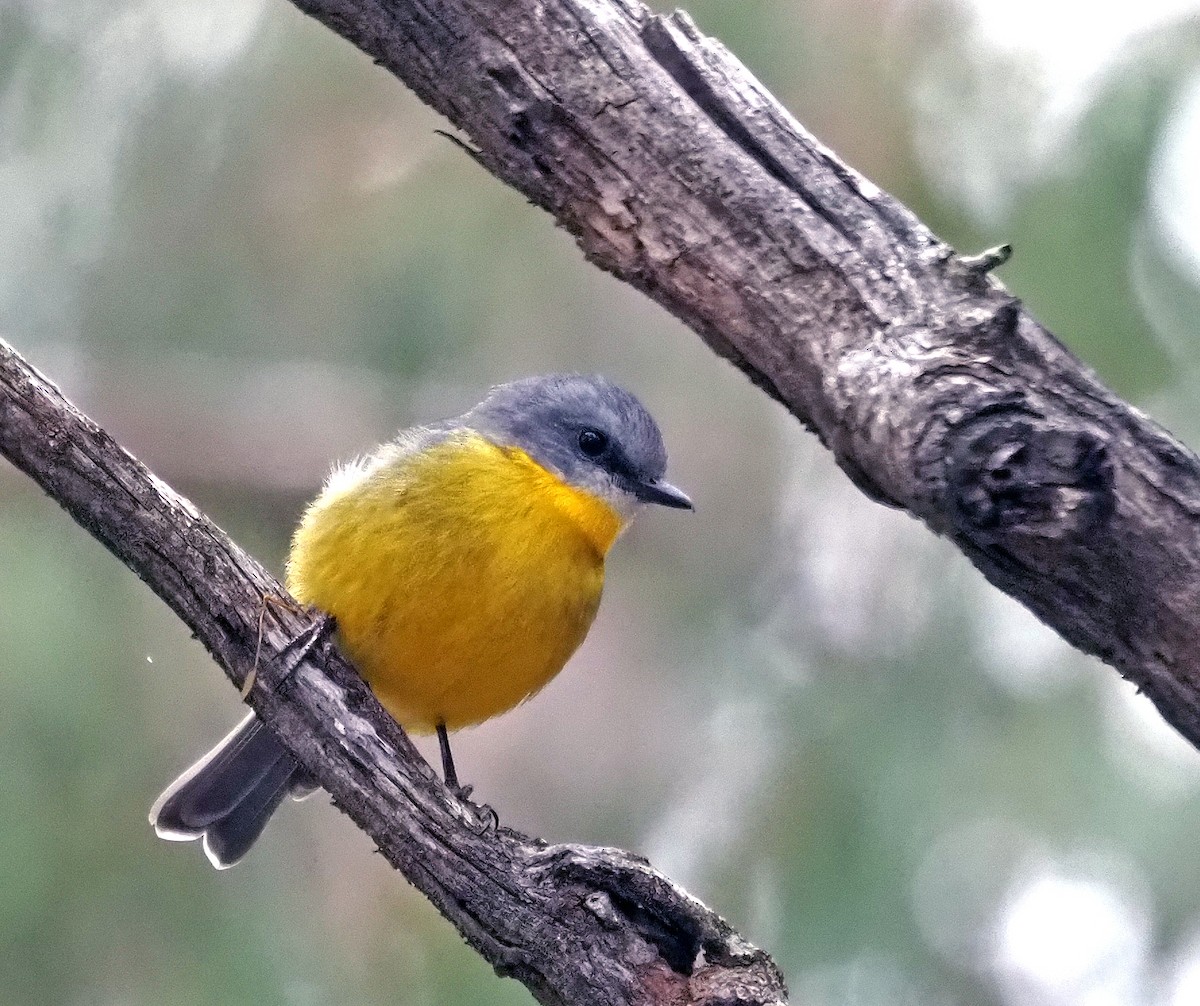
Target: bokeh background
x=243, y=249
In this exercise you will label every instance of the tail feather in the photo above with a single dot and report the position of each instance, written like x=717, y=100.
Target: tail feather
x=228, y=796
x=226, y=841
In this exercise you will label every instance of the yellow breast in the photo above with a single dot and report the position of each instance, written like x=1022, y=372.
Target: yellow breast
x=462, y=576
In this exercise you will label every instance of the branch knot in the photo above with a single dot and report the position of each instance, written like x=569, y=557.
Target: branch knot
x=1013, y=475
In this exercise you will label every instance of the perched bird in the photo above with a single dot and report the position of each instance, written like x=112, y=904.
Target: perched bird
x=463, y=564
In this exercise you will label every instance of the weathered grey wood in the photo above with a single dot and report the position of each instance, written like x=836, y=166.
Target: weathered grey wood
x=934, y=389
x=936, y=392
x=577, y=925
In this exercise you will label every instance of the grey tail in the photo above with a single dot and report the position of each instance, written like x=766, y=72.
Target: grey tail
x=228, y=796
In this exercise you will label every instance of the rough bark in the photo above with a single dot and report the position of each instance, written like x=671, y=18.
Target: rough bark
x=577, y=925
x=935, y=390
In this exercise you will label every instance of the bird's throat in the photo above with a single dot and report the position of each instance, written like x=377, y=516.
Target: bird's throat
x=598, y=522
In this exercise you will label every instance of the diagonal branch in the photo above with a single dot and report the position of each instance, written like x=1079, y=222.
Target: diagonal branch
x=935, y=390
x=575, y=924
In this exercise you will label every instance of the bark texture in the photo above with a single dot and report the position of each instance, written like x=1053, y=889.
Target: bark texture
x=935, y=390
x=577, y=925
x=937, y=393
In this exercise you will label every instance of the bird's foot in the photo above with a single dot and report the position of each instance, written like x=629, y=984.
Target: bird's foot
x=486, y=818
x=296, y=649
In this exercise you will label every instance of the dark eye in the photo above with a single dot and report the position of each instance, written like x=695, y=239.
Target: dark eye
x=593, y=443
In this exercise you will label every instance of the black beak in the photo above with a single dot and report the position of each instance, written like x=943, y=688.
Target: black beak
x=662, y=493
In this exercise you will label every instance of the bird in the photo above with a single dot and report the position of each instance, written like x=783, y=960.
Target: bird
x=461, y=563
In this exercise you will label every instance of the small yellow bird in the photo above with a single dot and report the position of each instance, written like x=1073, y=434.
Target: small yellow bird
x=463, y=564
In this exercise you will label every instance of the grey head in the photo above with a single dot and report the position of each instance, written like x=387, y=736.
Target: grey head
x=592, y=433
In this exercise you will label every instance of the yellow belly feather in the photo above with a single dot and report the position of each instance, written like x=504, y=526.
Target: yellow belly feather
x=462, y=576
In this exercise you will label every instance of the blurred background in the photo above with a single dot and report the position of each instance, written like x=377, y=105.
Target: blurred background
x=243, y=249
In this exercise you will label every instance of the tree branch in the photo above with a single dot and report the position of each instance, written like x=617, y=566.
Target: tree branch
x=577, y=925
x=935, y=390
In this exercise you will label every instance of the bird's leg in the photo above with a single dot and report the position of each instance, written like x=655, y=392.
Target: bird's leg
x=488, y=817
x=297, y=649
x=448, y=773
x=300, y=646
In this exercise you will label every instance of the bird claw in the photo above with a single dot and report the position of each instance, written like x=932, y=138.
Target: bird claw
x=489, y=820
x=486, y=817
